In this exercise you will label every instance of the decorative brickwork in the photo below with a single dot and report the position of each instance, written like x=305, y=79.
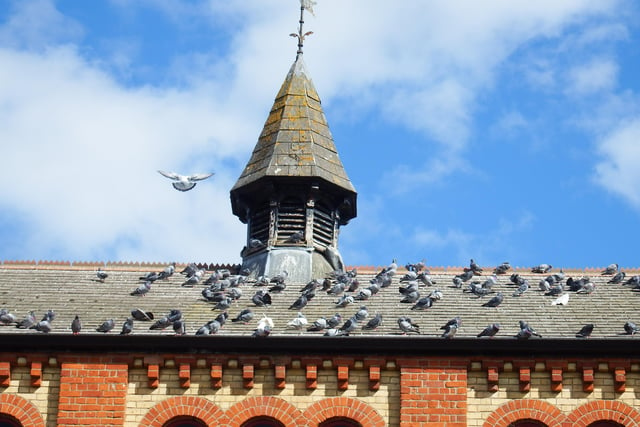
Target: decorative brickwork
x=197, y=407
x=342, y=407
x=21, y=409
x=433, y=392
x=600, y=410
x=522, y=409
x=92, y=393
x=273, y=407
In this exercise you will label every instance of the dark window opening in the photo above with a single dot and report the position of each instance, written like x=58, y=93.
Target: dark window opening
x=263, y=422
x=184, y=421
x=9, y=421
x=527, y=423
x=323, y=224
x=259, y=223
x=340, y=422
x=291, y=219
x=605, y=424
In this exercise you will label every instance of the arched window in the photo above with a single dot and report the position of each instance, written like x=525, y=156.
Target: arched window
x=262, y=422
x=9, y=421
x=605, y=424
x=527, y=423
x=340, y=422
x=184, y=421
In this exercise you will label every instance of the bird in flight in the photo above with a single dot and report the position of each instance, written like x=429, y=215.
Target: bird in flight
x=184, y=182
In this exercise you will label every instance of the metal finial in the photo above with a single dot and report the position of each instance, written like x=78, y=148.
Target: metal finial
x=304, y=4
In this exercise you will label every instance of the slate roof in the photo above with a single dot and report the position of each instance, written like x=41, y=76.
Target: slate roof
x=296, y=140
x=71, y=289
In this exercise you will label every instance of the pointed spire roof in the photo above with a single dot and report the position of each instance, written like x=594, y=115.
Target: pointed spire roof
x=296, y=140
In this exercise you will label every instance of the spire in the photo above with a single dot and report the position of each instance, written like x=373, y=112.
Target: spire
x=304, y=4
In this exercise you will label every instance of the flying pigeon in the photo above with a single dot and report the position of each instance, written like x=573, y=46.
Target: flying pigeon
x=406, y=325
x=373, y=323
x=184, y=182
x=106, y=326
x=490, y=331
x=586, y=331
x=127, y=326
x=76, y=325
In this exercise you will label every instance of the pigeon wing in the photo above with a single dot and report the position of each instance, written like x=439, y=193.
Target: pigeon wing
x=199, y=176
x=170, y=175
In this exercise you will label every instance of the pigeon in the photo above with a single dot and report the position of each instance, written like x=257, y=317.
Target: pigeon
x=618, y=277
x=610, y=270
x=502, y=268
x=7, y=318
x=406, y=325
x=311, y=286
x=334, y=332
x=542, y=268
x=318, y=325
x=423, y=304
x=374, y=322
x=245, y=316
x=144, y=316
x=296, y=237
x=526, y=331
x=416, y=267
x=455, y=321
x=300, y=303
x=194, y=279
x=586, y=331
x=28, y=321
x=161, y=323
x=106, y=326
x=223, y=304
x=101, y=276
x=450, y=331
x=587, y=288
x=344, y=301
x=474, y=267
x=561, y=300
x=524, y=287
x=150, y=276
x=495, y=301
x=167, y=272
x=298, y=323
x=348, y=326
x=264, y=328
x=363, y=294
x=490, y=331
x=361, y=314
x=44, y=325
x=76, y=325
x=174, y=315
x=184, y=182
x=142, y=290
x=204, y=329
x=334, y=321
x=631, y=328
x=127, y=326
x=180, y=327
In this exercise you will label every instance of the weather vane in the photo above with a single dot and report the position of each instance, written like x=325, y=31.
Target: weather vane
x=308, y=5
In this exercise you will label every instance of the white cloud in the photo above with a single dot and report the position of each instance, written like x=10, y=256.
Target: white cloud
x=618, y=172
x=598, y=75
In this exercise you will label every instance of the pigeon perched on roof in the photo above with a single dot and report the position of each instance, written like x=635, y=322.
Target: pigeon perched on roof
x=245, y=316
x=180, y=327
x=524, y=287
x=561, y=300
x=490, y=331
x=151, y=276
x=450, y=331
x=374, y=322
x=261, y=298
x=101, y=275
x=127, y=326
x=44, y=325
x=631, y=328
x=106, y=326
x=587, y=287
x=344, y=301
x=264, y=328
x=455, y=321
x=361, y=314
x=28, y=321
x=184, y=182
x=474, y=267
x=610, y=270
x=541, y=268
x=318, y=325
x=334, y=320
x=418, y=266
x=167, y=271
x=526, y=331
x=348, y=326
x=139, y=314
x=406, y=325
x=502, y=268
x=618, y=277
x=142, y=290
x=423, y=304
x=494, y=301
x=161, y=323
x=7, y=318
x=585, y=331
x=298, y=323
x=76, y=325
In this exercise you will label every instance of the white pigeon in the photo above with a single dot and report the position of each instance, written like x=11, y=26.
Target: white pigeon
x=298, y=323
x=562, y=300
x=184, y=182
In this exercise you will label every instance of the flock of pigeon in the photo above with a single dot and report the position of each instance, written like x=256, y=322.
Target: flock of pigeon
x=222, y=289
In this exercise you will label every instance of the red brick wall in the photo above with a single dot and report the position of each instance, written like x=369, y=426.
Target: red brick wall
x=433, y=392
x=92, y=392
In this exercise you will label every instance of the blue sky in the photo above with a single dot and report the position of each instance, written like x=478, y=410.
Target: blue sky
x=496, y=130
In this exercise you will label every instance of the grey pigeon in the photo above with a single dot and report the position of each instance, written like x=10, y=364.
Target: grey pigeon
x=7, y=318
x=127, y=326
x=296, y=237
x=28, y=321
x=264, y=328
x=406, y=325
x=298, y=323
x=541, y=268
x=261, y=298
x=495, y=301
x=502, y=268
x=610, y=270
x=631, y=328
x=214, y=326
x=450, y=331
x=161, y=323
x=151, y=276
x=300, y=303
x=76, y=325
x=180, y=327
x=106, y=326
x=184, y=182
x=318, y=325
x=245, y=316
x=526, y=331
x=363, y=294
x=334, y=332
x=618, y=277
x=223, y=304
x=423, y=304
x=348, y=326
x=142, y=290
x=524, y=287
x=101, y=275
x=361, y=314
x=204, y=329
x=457, y=321
x=490, y=331
x=139, y=314
x=344, y=301
x=374, y=322
x=44, y=325
x=167, y=271
x=334, y=321
x=585, y=331
x=587, y=288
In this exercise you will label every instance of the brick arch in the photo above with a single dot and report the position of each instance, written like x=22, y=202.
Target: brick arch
x=21, y=409
x=193, y=406
x=347, y=407
x=523, y=409
x=261, y=406
x=604, y=410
